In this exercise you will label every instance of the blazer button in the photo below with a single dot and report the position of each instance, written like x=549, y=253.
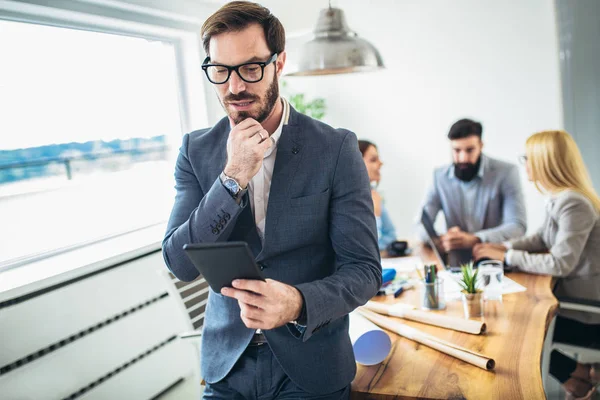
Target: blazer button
x=215, y=231
x=262, y=266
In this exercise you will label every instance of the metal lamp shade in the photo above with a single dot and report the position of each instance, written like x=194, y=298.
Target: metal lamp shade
x=335, y=49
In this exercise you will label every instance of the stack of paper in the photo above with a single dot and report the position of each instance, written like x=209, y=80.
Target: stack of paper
x=402, y=264
x=452, y=289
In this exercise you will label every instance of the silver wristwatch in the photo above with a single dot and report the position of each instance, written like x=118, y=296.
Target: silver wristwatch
x=232, y=186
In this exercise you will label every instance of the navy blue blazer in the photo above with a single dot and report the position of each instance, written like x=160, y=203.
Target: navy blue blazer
x=320, y=236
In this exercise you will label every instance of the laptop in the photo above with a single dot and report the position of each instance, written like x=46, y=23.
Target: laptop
x=449, y=260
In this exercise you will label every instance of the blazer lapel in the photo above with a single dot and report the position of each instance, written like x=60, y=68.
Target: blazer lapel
x=289, y=157
x=455, y=204
x=483, y=199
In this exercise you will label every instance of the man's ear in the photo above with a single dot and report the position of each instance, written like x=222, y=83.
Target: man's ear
x=280, y=62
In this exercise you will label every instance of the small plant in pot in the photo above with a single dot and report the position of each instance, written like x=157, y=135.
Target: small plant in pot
x=472, y=297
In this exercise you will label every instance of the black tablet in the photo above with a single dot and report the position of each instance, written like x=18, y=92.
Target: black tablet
x=221, y=263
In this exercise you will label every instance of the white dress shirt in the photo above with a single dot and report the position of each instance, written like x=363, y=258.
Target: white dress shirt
x=260, y=185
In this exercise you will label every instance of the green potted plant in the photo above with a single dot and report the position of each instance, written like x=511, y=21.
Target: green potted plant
x=314, y=108
x=472, y=296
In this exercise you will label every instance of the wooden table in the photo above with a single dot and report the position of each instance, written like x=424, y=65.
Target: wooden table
x=515, y=336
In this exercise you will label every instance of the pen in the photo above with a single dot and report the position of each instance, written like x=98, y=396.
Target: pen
x=419, y=273
x=402, y=288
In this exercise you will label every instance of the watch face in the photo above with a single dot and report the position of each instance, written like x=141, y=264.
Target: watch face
x=231, y=185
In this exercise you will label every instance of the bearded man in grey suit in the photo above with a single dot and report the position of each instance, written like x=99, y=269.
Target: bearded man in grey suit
x=481, y=197
x=297, y=191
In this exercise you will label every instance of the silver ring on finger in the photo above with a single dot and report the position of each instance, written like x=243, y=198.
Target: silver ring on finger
x=261, y=136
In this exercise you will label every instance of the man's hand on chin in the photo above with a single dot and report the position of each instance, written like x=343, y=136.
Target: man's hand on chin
x=265, y=305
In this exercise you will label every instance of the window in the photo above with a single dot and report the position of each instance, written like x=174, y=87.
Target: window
x=88, y=123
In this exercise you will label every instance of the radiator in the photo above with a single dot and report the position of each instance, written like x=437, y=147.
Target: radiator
x=111, y=334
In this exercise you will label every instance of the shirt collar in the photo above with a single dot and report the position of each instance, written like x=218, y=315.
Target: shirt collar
x=482, y=168
x=277, y=134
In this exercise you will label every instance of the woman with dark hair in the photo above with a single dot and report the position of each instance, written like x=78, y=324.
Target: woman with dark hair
x=385, y=228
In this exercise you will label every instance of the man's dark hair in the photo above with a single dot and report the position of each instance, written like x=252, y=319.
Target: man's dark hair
x=363, y=145
x=237, y=16
x=464, y=128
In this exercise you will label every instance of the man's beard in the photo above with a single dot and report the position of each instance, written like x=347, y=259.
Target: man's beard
x=466, y=172
x=269, y=103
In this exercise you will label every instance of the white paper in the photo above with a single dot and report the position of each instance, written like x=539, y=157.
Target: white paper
x=452, y=289
x=402, y=264
x=370, y=343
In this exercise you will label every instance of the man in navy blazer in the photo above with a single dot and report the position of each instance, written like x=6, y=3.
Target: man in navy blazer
x=297, y=191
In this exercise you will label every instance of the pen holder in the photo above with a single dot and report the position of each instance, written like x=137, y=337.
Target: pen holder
x=432, y=295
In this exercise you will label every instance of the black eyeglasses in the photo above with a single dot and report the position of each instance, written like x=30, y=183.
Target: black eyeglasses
x=250, y=72
x=523, y=159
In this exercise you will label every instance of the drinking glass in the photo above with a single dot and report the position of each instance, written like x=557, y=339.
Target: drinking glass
x=491, y=274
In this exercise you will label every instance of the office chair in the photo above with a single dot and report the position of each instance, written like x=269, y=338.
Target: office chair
x=191, y=298
x=581, y=354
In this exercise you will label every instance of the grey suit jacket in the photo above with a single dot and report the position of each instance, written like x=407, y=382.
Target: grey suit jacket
x=499, y=212
x=320, y=236
x=571, y=233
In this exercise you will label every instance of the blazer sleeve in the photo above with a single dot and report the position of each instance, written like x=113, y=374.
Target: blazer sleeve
x=432, y=206
x=514, y=215
x=197, y=217
x=353, y=236
x=531, y=243
x=575, y=220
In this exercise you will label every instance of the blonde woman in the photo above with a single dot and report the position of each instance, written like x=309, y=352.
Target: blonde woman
x=570, y=240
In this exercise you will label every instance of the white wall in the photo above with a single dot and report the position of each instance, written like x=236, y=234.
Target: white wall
x=493, y=61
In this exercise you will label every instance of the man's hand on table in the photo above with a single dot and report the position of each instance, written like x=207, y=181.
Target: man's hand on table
x=455, y=239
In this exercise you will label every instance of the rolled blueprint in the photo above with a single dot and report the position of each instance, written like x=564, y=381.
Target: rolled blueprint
x=408, y=311
x=416, y=335
x=370, y=343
